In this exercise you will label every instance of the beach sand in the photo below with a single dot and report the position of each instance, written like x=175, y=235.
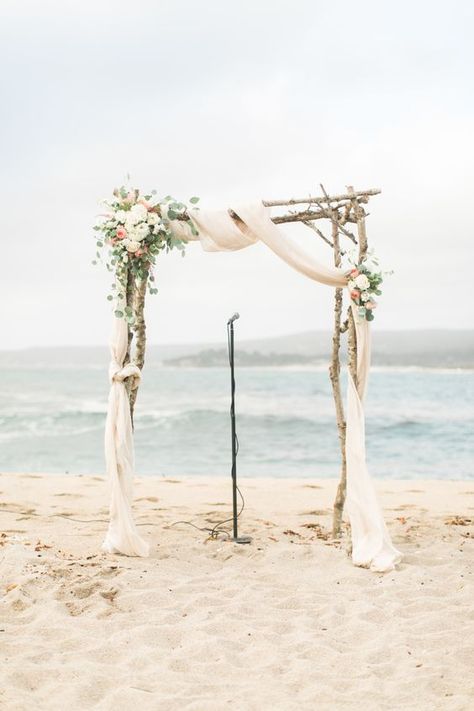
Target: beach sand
x=206, y=625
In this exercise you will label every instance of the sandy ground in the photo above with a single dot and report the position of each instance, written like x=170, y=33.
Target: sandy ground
x=284, y=623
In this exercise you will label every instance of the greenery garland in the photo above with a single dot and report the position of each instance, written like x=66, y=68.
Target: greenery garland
x=135, y=229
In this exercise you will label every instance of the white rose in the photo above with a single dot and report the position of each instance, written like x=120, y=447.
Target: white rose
x=138, y=213
x=365, y=296
x=362, y=282
x=153, y=218
x=131, y=245
x=141, y=231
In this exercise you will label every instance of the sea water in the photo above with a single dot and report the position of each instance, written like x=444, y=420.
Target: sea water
x=420, y=423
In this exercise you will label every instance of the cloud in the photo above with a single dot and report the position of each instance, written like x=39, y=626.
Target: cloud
x=233, y=102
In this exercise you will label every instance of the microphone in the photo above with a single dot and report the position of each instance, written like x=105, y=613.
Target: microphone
x=233, y=318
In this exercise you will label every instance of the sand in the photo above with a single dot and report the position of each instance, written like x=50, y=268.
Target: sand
x=206, y=625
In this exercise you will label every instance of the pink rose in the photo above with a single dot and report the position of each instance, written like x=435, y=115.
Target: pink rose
x=121, y=232
x=370, y=305
x=139, y=253
x=354, y=294
x=354, y=273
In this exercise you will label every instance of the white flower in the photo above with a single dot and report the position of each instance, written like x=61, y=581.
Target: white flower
x=138, y=213
x=351, y=284
x=153, y=218
x=139, y=232
x=121, y=216
x=158, y=228
x=131, y=245
x=365, y=296
x=362, y=282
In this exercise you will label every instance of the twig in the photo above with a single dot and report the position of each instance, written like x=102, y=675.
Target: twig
x=318, y=232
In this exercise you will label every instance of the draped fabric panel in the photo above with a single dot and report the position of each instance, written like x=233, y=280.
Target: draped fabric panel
x=122, y=535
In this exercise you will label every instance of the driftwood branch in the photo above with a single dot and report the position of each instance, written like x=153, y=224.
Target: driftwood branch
x=308, y=216
x=129, y=298
x=140, y=334
x=334, y=374
x=321, y=200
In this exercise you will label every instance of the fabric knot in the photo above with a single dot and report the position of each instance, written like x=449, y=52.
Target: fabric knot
x=118, y=373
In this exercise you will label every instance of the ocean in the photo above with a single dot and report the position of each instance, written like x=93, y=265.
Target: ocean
x=420, y=423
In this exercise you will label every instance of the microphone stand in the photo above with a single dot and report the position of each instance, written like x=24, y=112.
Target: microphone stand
x=230, y=332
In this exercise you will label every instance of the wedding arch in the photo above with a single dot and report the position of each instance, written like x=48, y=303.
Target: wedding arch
x=136, y=228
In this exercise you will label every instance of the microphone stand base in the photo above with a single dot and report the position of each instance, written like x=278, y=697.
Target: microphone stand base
x=242, y=539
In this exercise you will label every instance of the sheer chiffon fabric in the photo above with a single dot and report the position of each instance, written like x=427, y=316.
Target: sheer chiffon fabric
x=122, y=535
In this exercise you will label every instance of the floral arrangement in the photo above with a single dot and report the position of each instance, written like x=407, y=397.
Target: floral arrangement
x=364, y=283
x=136, y=229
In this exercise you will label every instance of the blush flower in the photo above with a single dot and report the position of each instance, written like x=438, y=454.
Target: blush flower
x=121, y=232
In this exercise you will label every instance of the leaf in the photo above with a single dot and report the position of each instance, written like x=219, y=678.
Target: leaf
x=194, y=200
x=369, y=316
x=110, y=297
x=172, y=214
x=118, y=314
x=94, y=261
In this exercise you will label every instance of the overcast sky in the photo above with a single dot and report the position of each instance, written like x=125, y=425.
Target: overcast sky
x=233, y=101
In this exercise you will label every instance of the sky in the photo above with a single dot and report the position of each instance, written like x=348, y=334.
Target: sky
x=233, y=102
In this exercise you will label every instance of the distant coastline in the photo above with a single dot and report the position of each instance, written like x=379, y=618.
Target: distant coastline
x=451, y=349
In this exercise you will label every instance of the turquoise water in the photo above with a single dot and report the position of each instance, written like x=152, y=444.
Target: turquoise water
x=420, y=423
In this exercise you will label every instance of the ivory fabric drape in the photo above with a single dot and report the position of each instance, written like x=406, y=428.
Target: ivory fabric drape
x=371, y=544
x=122, y=535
